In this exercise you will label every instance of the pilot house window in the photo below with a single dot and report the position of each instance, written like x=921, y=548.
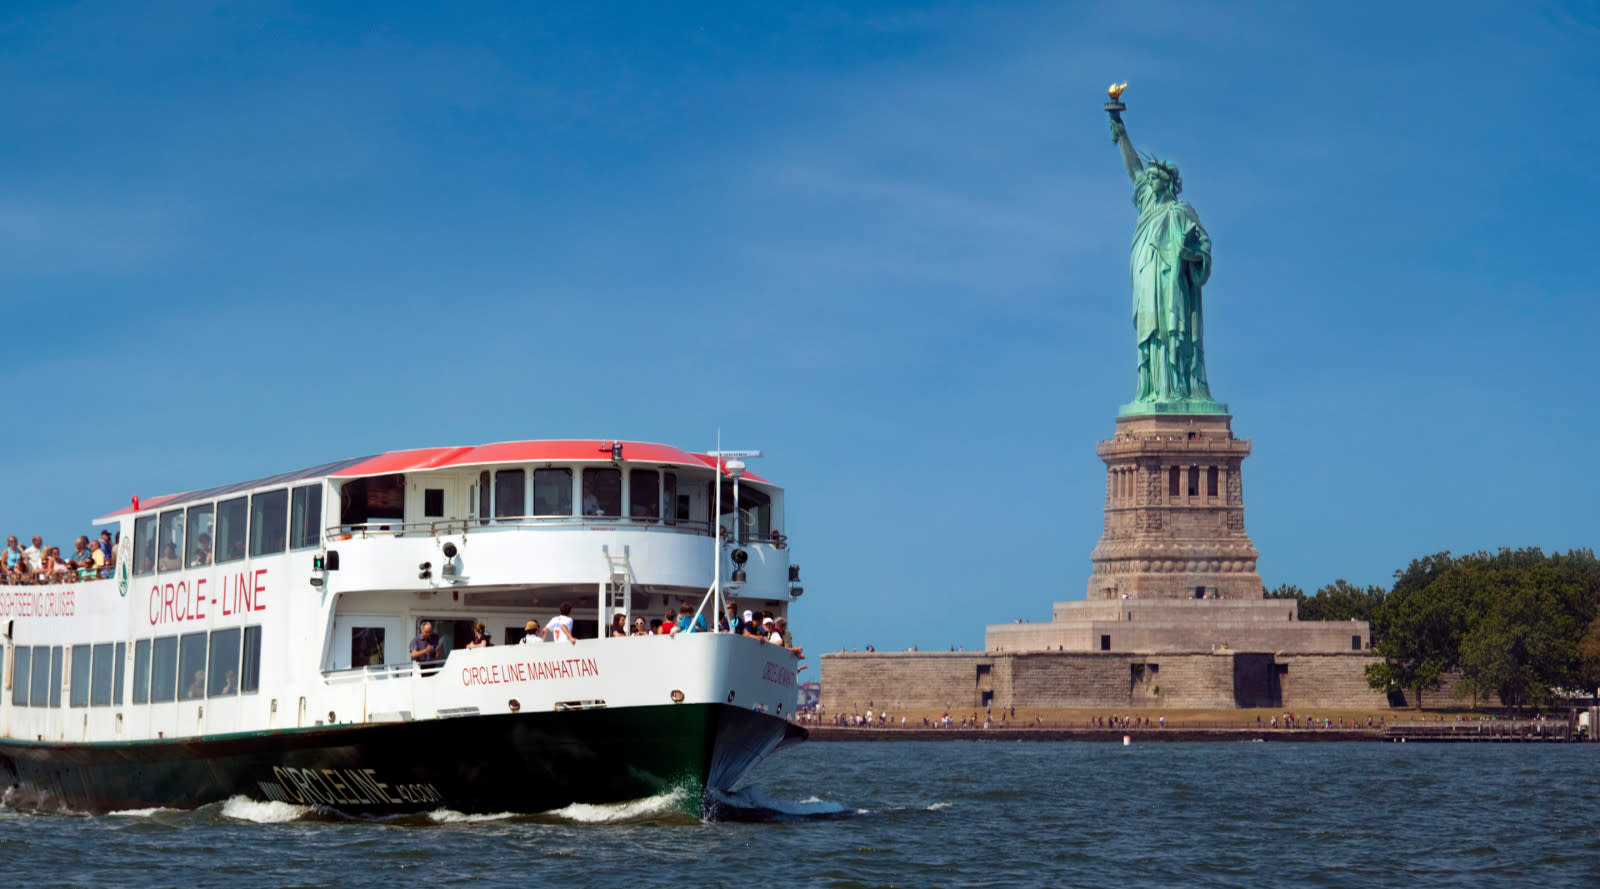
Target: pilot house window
x=552, y=492
x=509, y=493
x=602, y=492
x=644, y=494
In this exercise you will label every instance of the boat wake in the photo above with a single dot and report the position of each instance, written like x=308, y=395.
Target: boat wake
x=751, y=804
x=242, y=808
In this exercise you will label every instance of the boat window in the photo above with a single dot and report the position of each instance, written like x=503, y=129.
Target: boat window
x=100, y=679
x=250, y=671
x=192, y=666
x=169, y=553
x=19, y=675
x=305, y=517
x=433, y=503
x=669, y=496
x=644, y=494
x=56, y=667
x=224, y=664
x=119, y=660
x=269, y=513
x=164, y=669
x=141, y=671
x=366, y=646
x=144, y=545
x=552, y=492
x=201, y=535
x=232, y=519
x=78, y=694
x=482, y=493
x=602, y=491
x=508, y=493
x=755, y=512
x=381, y=498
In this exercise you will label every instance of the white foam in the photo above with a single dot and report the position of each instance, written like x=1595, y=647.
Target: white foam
x=632, y=810
x=451, y=816
x=937, y=806
x=139, y=813
x=246, y=809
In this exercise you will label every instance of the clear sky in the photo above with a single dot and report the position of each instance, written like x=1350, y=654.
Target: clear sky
x=885, y=243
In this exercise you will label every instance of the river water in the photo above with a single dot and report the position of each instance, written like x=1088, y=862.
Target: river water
x=951, y=814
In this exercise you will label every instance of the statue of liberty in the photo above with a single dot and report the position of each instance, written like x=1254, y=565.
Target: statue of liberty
x=1170, y=262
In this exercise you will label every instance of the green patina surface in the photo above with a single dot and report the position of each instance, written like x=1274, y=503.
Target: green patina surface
x=1169, y=262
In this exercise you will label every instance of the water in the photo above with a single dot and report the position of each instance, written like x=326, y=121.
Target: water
x=923, y=814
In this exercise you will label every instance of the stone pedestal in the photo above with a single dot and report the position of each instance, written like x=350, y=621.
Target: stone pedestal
x=1174, y=510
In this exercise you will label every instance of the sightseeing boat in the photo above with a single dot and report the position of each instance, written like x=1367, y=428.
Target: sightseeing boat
x=256, y=639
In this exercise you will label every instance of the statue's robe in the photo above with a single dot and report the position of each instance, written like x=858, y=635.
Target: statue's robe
x=1166, y=296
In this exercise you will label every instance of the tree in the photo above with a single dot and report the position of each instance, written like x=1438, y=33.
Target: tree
x=1343, y=600
x=1421, y=623
x=1589, y=659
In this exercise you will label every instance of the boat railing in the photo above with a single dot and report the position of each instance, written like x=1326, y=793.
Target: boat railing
x=442, y=527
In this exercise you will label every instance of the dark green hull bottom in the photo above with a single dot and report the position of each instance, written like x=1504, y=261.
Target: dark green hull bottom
x=521, y=762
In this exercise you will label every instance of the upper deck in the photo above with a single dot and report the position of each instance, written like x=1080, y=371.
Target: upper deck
x=481, y=517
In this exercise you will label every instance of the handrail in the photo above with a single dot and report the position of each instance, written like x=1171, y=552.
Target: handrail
x=440, y=527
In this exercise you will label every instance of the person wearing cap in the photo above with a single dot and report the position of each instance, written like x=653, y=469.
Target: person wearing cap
x=530, y=633
x=781, y=630
x=770, y=630
x=749, y=626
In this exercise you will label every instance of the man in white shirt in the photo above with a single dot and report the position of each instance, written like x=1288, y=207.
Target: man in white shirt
x=559, y=628
x=34, y=552
x=530, y=633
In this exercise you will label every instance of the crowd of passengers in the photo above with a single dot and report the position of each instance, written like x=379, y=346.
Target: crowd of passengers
x=763, y=626
x=90, y=559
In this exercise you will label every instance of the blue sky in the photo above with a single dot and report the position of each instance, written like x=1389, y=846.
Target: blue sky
x=885, y=243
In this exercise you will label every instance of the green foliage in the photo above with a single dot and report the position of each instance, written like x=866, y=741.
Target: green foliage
x=1284, y=591
x=1589, y=658
x=1513, y=623
x=1342, y=600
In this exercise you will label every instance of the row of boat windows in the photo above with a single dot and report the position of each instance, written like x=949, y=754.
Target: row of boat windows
x=260, y=524
x=190, y=667
x=651, y=494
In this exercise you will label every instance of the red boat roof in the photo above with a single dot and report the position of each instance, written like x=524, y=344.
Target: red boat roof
x=420, y=459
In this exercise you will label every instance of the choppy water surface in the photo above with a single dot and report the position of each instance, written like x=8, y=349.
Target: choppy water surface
x=928, y=814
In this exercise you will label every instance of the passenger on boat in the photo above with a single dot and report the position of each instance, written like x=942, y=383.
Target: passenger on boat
x=668, y=622
x=750, y=626
x=640, y=628
x=35, y=553
x=619, y=625
x=729, y=623
x=12, y=555
x=197, y=686
x=426, y=646
x=82, y=556
x=55, y=569
x=169, y=557
x=781, y=630
x=530, y=633
x=559, y=628
x=480, y=636
x=688, y=621
x=202, y=551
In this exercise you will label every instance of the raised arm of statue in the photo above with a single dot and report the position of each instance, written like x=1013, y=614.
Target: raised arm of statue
x=1119, y=135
